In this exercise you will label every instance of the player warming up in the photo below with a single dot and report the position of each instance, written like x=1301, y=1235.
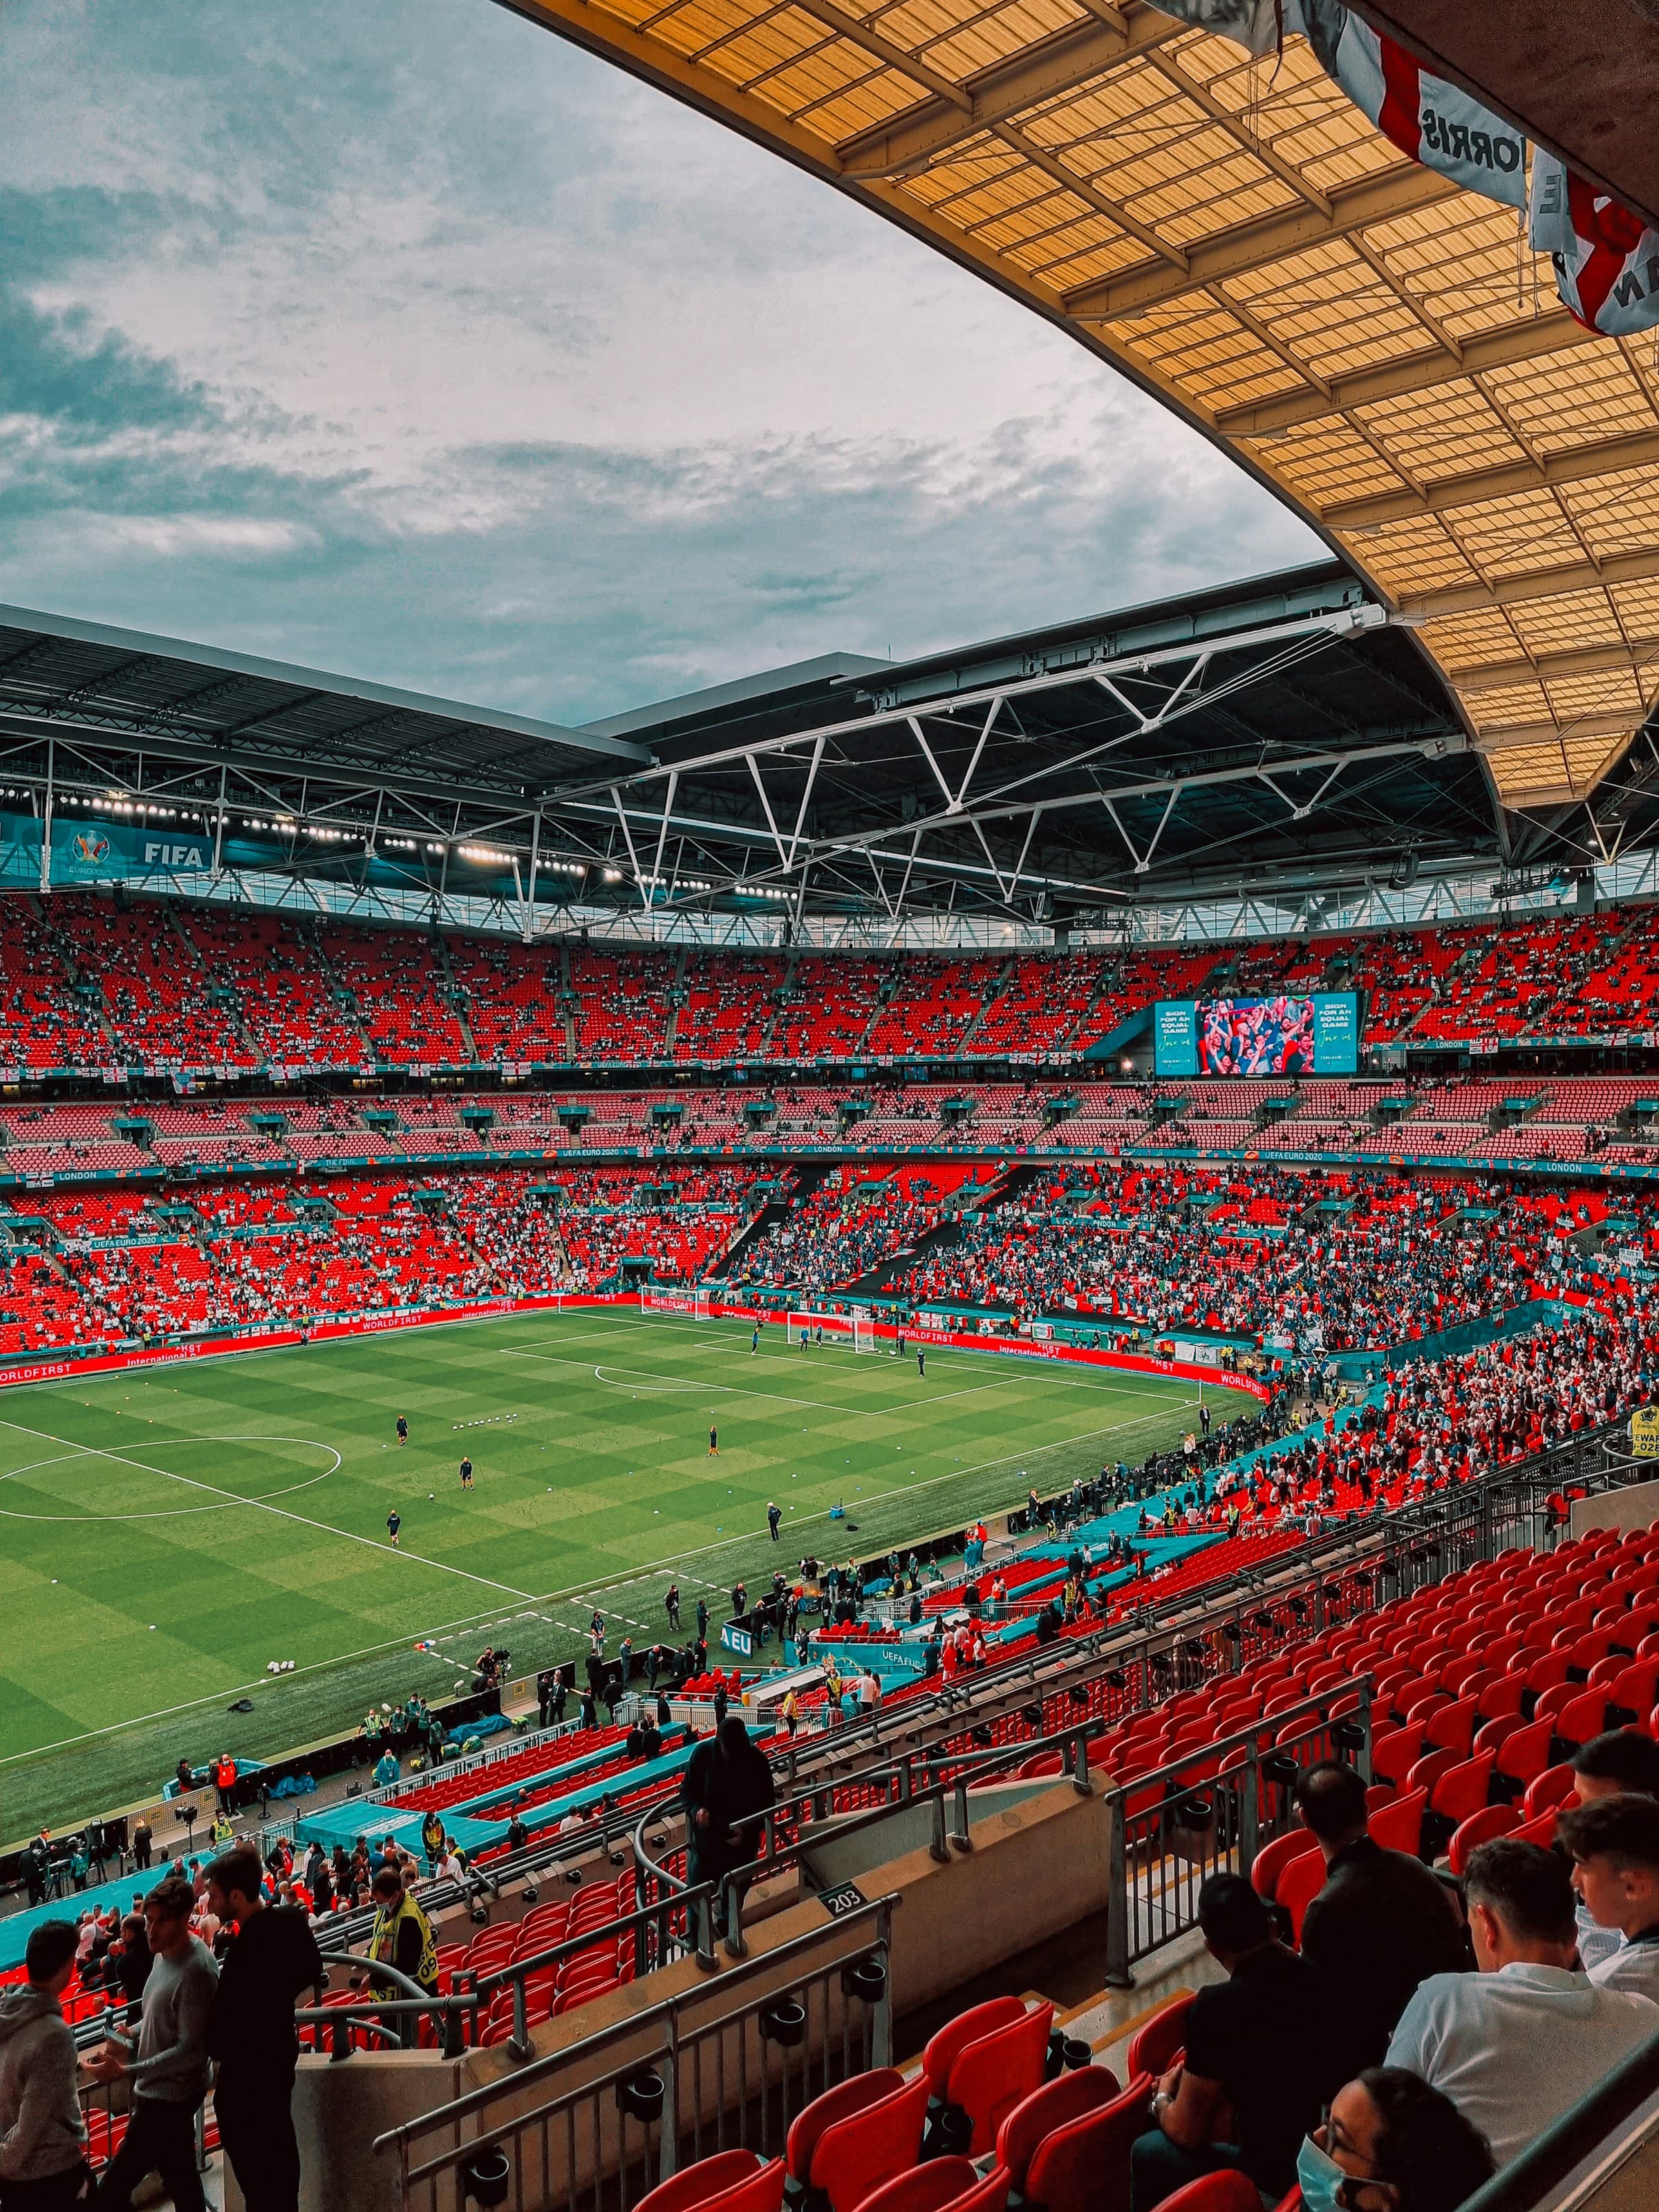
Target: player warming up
x=394, y=1521
x=466, y=1474
x=714, y=1443
x=402, y=1428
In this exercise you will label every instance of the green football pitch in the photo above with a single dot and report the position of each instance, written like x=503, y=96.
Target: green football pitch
x=164, y=1535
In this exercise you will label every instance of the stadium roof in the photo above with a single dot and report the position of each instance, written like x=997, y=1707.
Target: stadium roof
x=65, y=678
x=1283, y=736
x=1372, y=341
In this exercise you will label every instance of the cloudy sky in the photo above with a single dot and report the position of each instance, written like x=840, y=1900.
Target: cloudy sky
x=400, y=338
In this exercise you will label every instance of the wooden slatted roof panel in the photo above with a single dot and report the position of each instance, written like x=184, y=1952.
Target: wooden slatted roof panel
x=1380, y=346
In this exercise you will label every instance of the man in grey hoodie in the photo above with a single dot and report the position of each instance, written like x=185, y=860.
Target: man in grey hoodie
x=43, y=2166
x=168, y=2076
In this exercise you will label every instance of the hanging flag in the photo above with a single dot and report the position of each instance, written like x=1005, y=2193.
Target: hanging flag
x=1434, y=122
x=1606, y=259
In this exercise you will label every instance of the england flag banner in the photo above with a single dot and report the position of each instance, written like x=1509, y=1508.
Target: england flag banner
x=1606, y=259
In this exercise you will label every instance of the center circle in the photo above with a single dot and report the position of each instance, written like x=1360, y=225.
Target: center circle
x=217, y=1504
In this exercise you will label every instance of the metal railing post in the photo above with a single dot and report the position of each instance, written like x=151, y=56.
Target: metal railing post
x=1080, y=1781
x=939, y=1849
x=704, y=1909
x=960, y=1839
x=668, y=2126
x=1249, y=1808
x=881, y=2018
x=1118, y=1976
x=730, y=1891
x=519, y=2045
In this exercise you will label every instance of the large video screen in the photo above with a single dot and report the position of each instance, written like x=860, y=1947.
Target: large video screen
x=1315, y=1034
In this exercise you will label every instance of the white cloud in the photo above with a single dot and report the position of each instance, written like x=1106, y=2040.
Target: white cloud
x=481, y=326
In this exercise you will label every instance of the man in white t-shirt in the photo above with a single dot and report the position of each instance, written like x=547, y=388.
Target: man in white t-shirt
x=1613, y=1845
x=1518, y=2043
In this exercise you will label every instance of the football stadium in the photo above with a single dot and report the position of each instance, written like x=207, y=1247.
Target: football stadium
x=884, y=1437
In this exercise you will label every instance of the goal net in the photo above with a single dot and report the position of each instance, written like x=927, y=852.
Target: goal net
x=689, y=1305
x=848, y=1332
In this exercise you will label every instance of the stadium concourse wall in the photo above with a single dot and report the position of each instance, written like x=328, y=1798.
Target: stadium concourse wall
x=231, y=1344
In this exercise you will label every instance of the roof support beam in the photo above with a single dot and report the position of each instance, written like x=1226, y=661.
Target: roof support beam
x=1637, y=653
x=1058, y=65
x=1269, y=237
x=1638, y=450
x=1534, y=584
x=1554, y=332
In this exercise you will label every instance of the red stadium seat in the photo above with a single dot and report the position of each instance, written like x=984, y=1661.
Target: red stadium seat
x=927, y=2188
x=708, y=2177
x=841, y=2103
x=1228, y=2191
x=856, y=2155
x=995, y=2073
x=1067, y=2097
x=1479, y=1828
x=1084, y=2166
x=1154, y=2048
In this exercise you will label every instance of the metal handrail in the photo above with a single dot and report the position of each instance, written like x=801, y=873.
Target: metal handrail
x=452, y=2117
x=969, y=1769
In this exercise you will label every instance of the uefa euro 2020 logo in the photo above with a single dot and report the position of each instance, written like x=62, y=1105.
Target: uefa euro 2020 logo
x=91, y=846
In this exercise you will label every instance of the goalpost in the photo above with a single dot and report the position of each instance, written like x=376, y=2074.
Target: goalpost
x=685, y=1305
x=848, y=1332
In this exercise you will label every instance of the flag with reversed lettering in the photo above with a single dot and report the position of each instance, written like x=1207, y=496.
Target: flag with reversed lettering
x=1606, y=259
x=1434, y=122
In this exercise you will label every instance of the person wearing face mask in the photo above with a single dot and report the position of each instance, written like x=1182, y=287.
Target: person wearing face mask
x=1613, y=1845
x=1618, y=1764
x=1390, y=2143
x=1515, y=2045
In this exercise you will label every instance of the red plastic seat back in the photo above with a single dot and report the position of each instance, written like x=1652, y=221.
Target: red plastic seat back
x=1217, y=2192
x=835, y=2105
x=1462, y=1790
x=1267, y=1866
x=710, y=2176
x=1479, y=1828
x=857, y=2154
x=1155, y=2048
x=1298, y=1885
x=761, y=2192
x=990, y=2195
x=1399, y=1826
x=994, y=2074
x=926, y=2188
x=1084, y=2166
x=953, y=2039
x=1067, y=2097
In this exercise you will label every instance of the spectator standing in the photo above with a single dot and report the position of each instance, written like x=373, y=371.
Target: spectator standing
x=1266, y=2044
x=168, y=2078
x=43, y=2166
x=402, y=1937
x=141, y=1840
x=1382, y=1924
x=727, y=1791
x=1515, y=2045
x=272, y=1958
